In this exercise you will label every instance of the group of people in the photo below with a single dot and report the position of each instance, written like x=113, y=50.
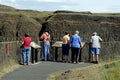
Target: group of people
x=26, y=47
x=74, y=42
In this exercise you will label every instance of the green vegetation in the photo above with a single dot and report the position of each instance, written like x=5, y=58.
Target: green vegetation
x=109, y=71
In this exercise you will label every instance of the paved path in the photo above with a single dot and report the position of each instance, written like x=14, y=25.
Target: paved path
x=40, y=71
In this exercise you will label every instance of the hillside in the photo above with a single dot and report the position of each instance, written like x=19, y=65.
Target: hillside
x=14, y=22
x=4, y=8
x=106, y=25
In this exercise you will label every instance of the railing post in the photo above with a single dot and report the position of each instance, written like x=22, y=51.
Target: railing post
x=89, y=47
x=56, y=53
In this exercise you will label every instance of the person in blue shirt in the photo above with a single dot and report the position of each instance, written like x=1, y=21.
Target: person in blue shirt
x=75, y=41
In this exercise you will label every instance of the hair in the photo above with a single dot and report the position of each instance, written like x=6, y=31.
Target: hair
x=66, y=33
x=76, y=32
x=26, y=34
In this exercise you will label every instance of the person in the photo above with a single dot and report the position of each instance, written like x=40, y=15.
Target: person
x=45, y=45
x=26, y=49
x=95, y=47
x=65, y=47
x=75, y=46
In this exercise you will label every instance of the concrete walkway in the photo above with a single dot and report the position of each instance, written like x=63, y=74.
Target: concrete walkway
x=40, y=71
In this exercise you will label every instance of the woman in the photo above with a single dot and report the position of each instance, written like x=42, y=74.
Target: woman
x=26, y=50
x=75, y=46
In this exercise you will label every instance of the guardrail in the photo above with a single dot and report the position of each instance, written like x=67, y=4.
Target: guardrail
x=12, y=51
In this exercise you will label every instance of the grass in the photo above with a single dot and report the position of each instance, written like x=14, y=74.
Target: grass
x=111, y=71
x=29, y=14
x=103, y=71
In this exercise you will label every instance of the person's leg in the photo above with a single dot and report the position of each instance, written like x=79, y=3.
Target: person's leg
x=93, y=55
x=43, y=51
x=67, y=52
x=48, y=50
x=97, y=55
x=63, y=52
x=93, y=58
x=77, y=57
x=72, y=55
x=80, y=55
x=28, y=52
x=24, y=56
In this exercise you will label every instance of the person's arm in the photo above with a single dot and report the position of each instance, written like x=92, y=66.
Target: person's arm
x=42, y=37
x=100, y=38
x=91, y=39
x=80, y=42
x=23, y=41
x=48, y=37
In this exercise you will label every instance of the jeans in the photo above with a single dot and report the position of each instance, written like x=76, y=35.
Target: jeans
x=26, y=55
x=45, y=50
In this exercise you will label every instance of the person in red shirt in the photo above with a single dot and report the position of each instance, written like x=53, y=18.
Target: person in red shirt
x=45, y=45
x=26, y=49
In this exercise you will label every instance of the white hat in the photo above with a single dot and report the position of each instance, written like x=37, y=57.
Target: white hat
x=95, y=33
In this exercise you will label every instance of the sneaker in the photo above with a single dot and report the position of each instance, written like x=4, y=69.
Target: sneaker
x=92, y=62
x=24, y=64
x=75, y=62
x=96, y=62
x=28, y=64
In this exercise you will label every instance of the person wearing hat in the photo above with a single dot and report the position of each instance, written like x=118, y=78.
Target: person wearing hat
x=95, y=47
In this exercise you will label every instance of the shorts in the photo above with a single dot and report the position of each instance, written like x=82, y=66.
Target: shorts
x=95, y=51
x=65, y=49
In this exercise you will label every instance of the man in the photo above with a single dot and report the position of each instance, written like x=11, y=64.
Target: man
x=45, y=45
x=95, y=49
x=75, y=46
x=65, y=47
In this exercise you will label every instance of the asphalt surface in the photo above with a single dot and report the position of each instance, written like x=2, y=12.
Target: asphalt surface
x=40, y=71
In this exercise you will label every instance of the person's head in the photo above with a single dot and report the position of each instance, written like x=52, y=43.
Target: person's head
x=66, y=33
x=94, y=33
x=46, y=33
x=76, y=32
x=26, y=34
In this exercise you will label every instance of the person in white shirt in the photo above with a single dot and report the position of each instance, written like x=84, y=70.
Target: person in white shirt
x=95, y=47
